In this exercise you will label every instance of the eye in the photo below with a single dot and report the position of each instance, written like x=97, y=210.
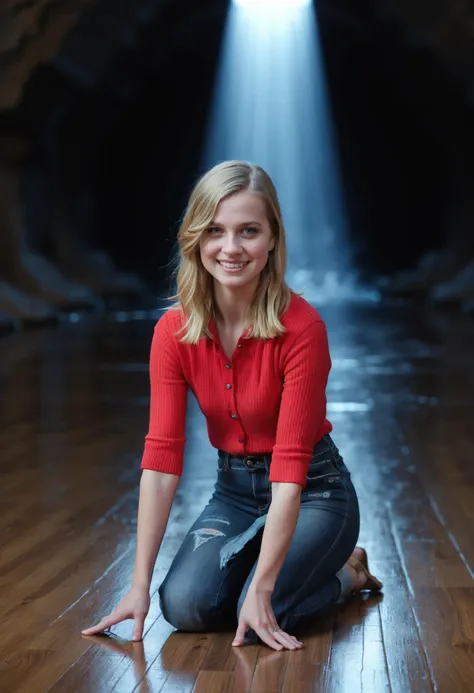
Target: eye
x=213, y=230
x=251, y=231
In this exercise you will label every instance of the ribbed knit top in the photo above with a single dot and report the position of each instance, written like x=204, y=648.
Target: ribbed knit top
x=269, y=398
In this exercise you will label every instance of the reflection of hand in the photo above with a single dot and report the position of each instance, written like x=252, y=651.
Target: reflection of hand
x=245, y=667
x=133, y=650
x=117, y=645
x=135, y=605
x=257, y=613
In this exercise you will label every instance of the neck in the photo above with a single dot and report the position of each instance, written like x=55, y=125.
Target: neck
x=231, y=306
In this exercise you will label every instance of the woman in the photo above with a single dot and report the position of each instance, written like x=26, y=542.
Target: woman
x=274, y=547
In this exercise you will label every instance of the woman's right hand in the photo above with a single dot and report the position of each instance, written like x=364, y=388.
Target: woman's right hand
x=135, y=605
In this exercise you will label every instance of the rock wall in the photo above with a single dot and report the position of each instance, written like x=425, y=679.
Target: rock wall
x=70, y=69
x=445, y=27
x=31, y=33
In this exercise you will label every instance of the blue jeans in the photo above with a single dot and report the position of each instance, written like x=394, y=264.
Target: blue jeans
x=207, y=582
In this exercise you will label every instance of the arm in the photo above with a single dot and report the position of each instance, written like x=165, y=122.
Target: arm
x=301, y=417
x=156, y=497
x=162, y=459
x=162, y=466
x=157, y=491
x=256, y=611
x=278, y=533
x=165, y=440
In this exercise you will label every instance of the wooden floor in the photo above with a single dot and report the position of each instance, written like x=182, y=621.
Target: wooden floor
x=73, y=414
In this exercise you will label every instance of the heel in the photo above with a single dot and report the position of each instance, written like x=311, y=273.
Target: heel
x=372, y=583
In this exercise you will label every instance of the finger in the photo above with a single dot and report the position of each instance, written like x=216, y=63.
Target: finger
x=240, y=634
x=106, y=622
x=284, y=636
x=138, y=627
x=287, y=640
x=268, y=638
x=298, y=642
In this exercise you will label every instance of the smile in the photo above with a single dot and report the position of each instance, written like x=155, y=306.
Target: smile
x=232, y=265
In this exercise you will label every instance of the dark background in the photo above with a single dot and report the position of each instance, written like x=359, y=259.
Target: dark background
x=115, y=119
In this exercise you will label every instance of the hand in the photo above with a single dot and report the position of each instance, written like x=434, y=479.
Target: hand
x=135, y=604
x=257, y=613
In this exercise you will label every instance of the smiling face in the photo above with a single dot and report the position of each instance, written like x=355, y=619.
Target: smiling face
x=235, y=246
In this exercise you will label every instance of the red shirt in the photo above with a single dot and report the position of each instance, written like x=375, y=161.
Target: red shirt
x=271, y=398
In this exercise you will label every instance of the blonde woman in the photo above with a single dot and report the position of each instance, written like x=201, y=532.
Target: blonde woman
x=275, y=545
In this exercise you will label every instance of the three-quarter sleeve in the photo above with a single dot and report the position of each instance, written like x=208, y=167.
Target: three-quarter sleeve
x=165, y=440
x=302, y=411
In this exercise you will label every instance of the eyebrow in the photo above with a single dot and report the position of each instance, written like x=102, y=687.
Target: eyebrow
x=245, y=223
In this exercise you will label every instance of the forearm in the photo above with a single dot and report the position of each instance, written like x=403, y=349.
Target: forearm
x=278, y=533
x=157, y=492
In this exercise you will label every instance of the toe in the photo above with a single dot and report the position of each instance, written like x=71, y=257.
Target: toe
x=360, y=554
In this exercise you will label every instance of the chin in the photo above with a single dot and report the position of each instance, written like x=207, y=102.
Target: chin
x=237, y=282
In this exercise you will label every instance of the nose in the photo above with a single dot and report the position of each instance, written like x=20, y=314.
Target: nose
x=231, y=244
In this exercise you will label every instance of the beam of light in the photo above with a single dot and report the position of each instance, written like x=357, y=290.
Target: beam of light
x=271, y=4
x=270, y=107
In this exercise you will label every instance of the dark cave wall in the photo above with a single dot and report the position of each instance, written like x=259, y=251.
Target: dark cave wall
x=110, y=100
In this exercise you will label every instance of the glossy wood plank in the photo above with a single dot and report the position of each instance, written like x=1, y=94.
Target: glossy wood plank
x=446, y=624
x=73, y=415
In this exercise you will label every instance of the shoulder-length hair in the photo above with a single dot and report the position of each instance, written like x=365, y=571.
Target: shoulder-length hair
x=194, y=295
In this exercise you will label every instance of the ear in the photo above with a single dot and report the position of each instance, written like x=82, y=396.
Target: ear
x=272, y=244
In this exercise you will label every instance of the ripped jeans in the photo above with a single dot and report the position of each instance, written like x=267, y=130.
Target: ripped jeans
x=207, y=582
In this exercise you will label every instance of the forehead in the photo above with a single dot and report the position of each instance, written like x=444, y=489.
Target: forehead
x=242, y=206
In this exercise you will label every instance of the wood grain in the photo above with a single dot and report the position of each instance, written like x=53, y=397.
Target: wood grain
x=73, y=416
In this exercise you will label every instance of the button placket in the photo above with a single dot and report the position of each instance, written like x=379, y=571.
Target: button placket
x=229, y=385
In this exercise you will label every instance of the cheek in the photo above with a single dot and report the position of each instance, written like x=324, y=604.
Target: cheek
x=208, y=250
x=260, y=251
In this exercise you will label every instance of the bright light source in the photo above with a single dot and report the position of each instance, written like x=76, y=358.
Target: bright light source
x=272, y=4
x=271, y=107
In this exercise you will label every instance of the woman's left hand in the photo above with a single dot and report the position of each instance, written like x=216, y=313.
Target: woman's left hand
x=257, y=613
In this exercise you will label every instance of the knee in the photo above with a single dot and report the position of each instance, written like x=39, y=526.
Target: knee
x=185, y=605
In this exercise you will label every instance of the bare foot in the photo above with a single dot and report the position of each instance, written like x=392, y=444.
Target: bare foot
x=363, y=580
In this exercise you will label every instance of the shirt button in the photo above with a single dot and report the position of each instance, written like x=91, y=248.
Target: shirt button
x=229, y=386
x=233, y=416
x=241, y=440
x=227, y=365
x=239, y=345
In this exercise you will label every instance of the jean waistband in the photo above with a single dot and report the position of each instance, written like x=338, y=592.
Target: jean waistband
x=263, y=460
x=258, y=461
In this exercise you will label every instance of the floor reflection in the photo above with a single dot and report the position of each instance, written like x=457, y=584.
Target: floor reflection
x=135, y=651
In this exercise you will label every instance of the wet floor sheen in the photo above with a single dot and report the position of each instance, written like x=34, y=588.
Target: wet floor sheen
x=73, y=415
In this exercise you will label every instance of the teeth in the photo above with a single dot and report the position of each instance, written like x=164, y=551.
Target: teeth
x=232, y=265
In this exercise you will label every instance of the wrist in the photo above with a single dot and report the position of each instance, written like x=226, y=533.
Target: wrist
x=141, y=582
x=262, y=585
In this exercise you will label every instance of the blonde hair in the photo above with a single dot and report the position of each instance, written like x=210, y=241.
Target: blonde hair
x=194, y=294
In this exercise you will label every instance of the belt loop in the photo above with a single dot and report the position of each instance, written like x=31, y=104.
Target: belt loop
x=227, y=461
x=267, y=459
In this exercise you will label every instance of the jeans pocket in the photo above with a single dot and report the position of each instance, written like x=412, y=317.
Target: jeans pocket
x=324, y=469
